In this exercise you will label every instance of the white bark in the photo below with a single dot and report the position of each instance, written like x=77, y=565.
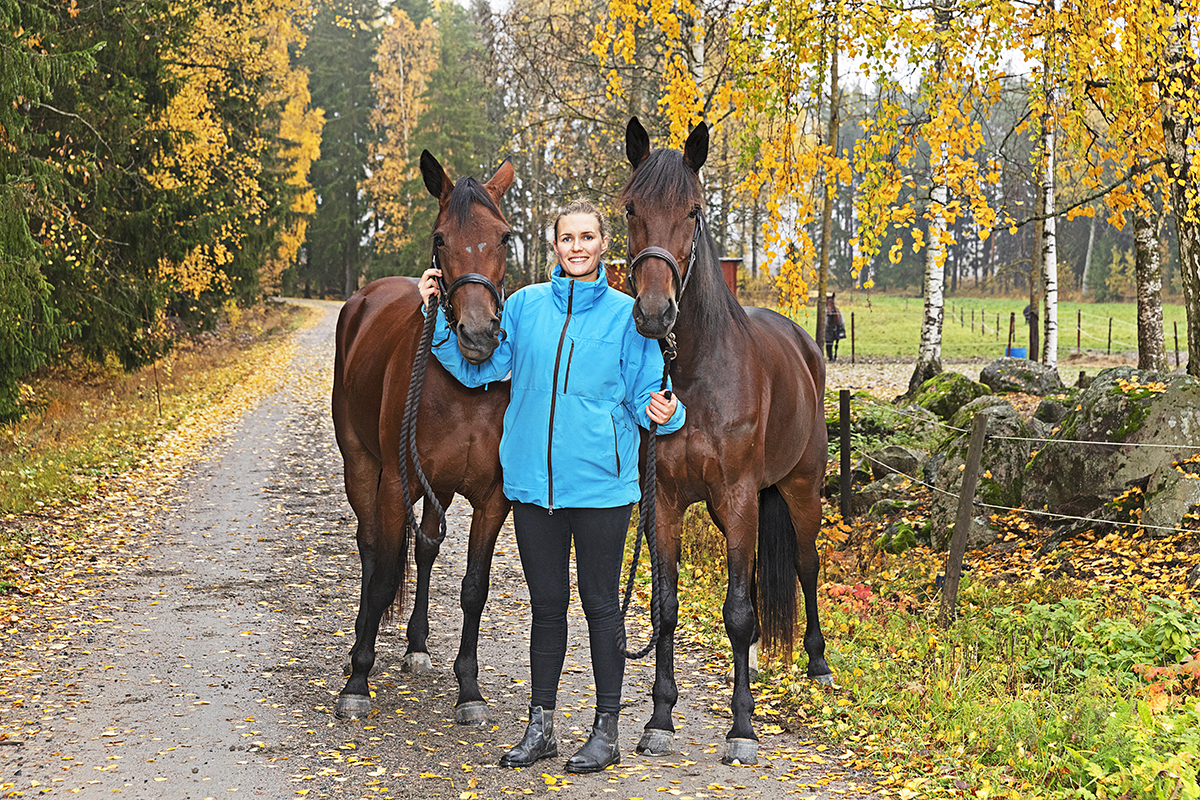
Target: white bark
x=1152, y=352
x=1050, y=250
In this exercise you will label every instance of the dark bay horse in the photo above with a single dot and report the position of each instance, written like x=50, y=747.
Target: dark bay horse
x=458, y=431
x=754, y=447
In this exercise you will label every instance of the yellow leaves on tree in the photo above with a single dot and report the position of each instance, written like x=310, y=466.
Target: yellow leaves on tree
x=239, y=53
x=406, y=58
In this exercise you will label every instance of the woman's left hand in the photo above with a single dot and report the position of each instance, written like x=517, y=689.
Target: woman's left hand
x=661, y=409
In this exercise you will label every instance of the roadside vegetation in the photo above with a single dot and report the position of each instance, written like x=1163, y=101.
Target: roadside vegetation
x=85, y=424
x=1047, y=685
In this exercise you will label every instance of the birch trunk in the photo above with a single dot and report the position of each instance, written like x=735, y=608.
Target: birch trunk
x=929, y=352
x=827, y=211
x=1087, y=258
x=1175, y=88
x=1049, y=239
x=1152, y=352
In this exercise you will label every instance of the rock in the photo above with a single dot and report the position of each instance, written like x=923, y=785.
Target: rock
x=1170, y=493
x=1052, y=409
x=1001, y=469
x=872, y=493
x=1021, y=375
x=964, y=418
x=897, y=537
x=1122, y=408
x=888, y=507
x=946, y=393
x=893, y=459
x=980, y=534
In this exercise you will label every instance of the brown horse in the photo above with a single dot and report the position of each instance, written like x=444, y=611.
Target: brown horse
x=754, y=447
x=458, y=431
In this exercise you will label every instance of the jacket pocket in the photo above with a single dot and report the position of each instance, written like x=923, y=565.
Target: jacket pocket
x=616, y=444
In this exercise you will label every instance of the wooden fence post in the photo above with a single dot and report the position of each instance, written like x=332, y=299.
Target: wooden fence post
x=846, y=482
x=1176, y=324
x=962, y=523
x=1109, y=336
x=851, y=337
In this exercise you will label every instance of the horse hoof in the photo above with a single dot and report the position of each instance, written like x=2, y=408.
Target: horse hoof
x=740, y=751
x=417, y=663
x=824, y=680
x=655, y=742
x=474, y=712
x=352, y=706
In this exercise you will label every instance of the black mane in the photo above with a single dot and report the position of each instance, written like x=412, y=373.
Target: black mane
x=664, y=178
x=468, y=191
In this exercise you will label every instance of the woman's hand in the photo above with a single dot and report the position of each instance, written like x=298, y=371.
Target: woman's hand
x=428, y=285
x=661, y=409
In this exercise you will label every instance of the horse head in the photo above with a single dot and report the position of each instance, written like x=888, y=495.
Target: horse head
x=470, y=245
x=664, y=210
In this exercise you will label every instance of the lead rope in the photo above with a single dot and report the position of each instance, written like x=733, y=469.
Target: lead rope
x=408, y=433
x=646, y=527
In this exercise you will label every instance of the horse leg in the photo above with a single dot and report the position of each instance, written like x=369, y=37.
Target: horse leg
x=738, y=518
x=379, y=546
x=471, y=708
x=416, y=656
x=659, y=734
x=801, y=489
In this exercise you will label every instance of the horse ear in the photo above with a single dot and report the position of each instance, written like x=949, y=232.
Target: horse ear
x=695, y=150
x=637, y=142
x=437, y=181
x=499, y=183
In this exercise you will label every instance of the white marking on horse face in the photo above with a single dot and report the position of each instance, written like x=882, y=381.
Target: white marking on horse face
x=481, y=245
x=468, y=248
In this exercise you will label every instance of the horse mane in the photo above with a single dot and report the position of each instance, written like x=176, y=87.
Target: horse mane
x=468, y=191
x=662, y=179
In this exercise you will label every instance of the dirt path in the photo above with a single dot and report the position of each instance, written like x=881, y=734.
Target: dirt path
x=197, y=652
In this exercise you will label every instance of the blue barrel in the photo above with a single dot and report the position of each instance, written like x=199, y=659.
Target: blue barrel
x=1016, y=352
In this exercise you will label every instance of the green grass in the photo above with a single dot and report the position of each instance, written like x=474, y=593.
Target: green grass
x=889, y=325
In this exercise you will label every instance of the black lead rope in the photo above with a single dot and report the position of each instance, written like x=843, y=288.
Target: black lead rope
x=646, y=528
x=408, y=433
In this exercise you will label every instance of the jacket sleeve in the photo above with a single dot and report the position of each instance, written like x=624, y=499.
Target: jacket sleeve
x=643, y=376
x=445, y=347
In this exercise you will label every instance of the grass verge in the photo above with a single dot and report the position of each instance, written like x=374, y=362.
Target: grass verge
x=88, y=424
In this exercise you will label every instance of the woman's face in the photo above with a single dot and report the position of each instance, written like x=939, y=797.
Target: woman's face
x=579, y=244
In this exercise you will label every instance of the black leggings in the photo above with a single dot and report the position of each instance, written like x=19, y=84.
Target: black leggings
x=544, y=540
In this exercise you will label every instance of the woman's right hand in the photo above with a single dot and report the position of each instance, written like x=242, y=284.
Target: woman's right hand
x=428, y=285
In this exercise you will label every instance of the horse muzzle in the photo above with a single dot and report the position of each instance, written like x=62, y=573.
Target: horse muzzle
x=655, y=317
x=477, y=343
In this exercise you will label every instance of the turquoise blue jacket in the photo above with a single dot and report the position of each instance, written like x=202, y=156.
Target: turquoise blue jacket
x=581, y=380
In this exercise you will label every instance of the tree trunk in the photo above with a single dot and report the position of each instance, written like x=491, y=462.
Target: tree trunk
x=1087, y=257
x=929, y=352
x=827, y=211
x=1152, y=352
x=1175, y=88
x=1049, y=225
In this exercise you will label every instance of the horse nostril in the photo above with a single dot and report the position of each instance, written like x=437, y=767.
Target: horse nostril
x=494, y=328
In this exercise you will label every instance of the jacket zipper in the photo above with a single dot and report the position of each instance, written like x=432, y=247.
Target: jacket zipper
x=570, y=358
x=616, y=445
x=554, y=397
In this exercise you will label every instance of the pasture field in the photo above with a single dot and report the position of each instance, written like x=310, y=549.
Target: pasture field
x=889, y=326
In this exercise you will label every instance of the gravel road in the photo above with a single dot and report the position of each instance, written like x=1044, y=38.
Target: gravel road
x=201, y=654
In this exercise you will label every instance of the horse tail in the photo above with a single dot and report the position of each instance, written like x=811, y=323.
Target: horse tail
x=776, y=572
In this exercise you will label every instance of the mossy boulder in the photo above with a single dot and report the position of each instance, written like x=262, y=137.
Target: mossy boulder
x=1053, y=409
x=1021, y=375
x=1001, y=467
x=1094, y=456
x=946, y=393
x=896, y=459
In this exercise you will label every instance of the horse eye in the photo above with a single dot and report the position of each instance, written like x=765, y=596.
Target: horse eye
x=506, y=238
x=439, y=240
x=629, y=209
x=695, y=210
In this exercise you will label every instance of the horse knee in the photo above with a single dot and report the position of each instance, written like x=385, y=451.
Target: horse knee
x=740, y=623
x=474, y=596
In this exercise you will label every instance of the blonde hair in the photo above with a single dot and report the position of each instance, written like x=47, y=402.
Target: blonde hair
x=575, y=207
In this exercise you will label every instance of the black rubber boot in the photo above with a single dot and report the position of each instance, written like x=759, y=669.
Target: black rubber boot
x=538, y=742
x=601, y=748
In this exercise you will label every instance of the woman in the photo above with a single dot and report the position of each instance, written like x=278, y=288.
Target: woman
x=582, y=377
x=835, y=328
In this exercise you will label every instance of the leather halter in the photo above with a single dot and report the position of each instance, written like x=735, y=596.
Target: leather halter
x=654, y=251
x=447, y=292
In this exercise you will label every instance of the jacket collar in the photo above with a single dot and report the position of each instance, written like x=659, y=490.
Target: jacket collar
x=586, y=293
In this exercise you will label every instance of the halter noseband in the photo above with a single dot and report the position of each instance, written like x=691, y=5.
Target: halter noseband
x=447, y=292
x=654, y=251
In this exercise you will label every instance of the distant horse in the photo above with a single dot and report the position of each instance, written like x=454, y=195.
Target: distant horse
x=458, y=430
x=755, y=445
